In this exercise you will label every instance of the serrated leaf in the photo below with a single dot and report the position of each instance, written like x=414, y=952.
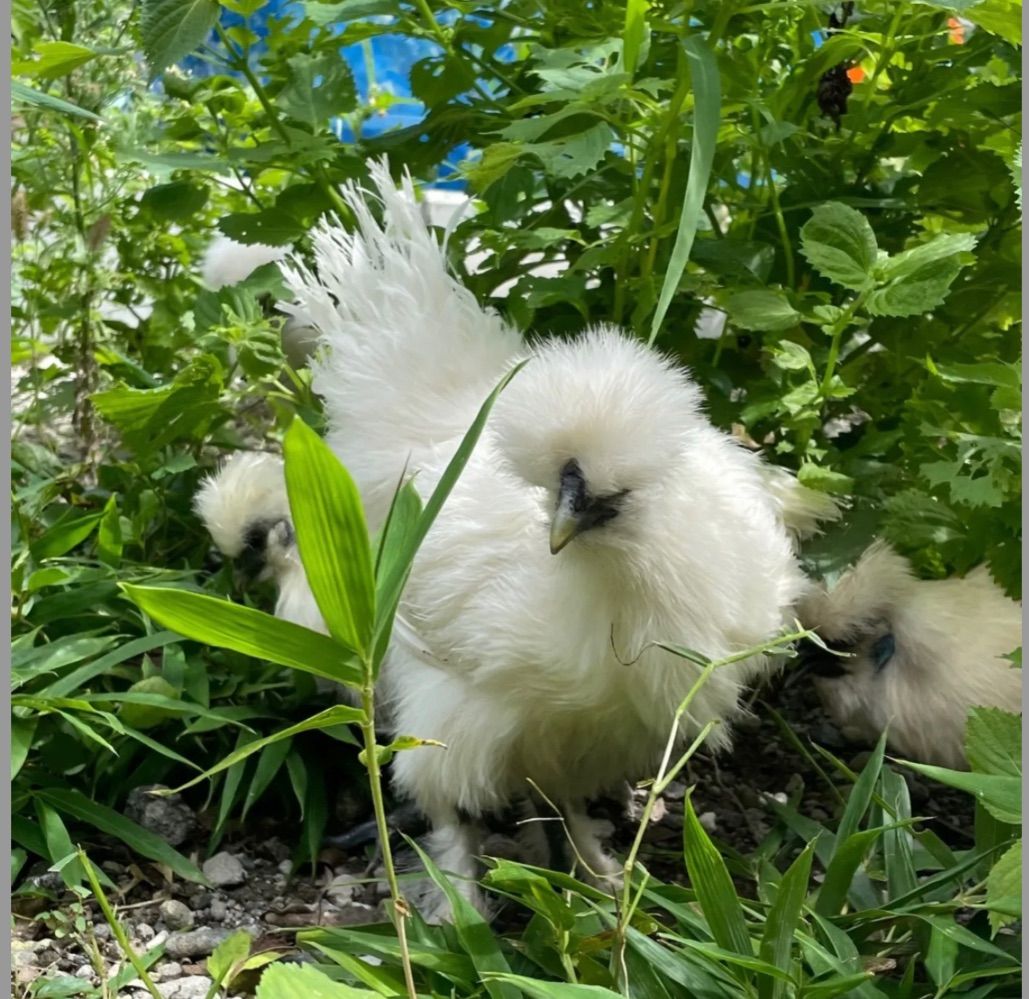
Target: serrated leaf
x=918, y=279
x=171, y=29
x=1004, y=888
x=233, y=950
x=766, y=309
x=840, y=244
x=824, y=480
x=1001, y=795
x=993, y=741
x=317, y=89
x=174, y=202
x=270, y=226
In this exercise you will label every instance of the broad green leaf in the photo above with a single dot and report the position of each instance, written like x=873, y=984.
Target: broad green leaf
x=901, y=876
x=918, y=279
x=715, y=891
x=425, y=953
x=839, y=243
x=171, y=29
x=36, y=98
x=375, y=976
x=53, y=59
x=174, y=202
x=766, y=309
x=318, y=88
x=49, y=657
x=65, y=535
x=332, y=536
x=22, y=732
x=707, y=113
x=59, y=844
x=270, y=227
x=142, y=715
x=824, y=480
x=340, y=714
x=230, y=953
x=776, y=946
x=993, y=742
x=1001, y=795
x=473, y=931
x=242, y=629
x=298, y=981
x=1004, y=888
x=107, y=820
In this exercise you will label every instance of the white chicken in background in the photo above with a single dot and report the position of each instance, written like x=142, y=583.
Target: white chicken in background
x=600, y=512
x=920, y=654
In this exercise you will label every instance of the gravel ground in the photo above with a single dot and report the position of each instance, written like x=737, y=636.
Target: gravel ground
x=254, y=888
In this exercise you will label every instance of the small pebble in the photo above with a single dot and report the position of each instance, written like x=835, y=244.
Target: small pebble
x=219, y=910
x=191, y=987
x=709, y=821
x=144, y=932
x=85, y=972
x=286, y=867
x=172, y=969
x=195, y=943
x=176, y=915
x=224, y=870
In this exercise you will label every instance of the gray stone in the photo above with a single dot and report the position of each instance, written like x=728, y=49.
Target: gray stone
x=195, y=943
x=85, y=972
x=176, y=915
x=190, y=987
x=166, y=972
x=219, y=910
x=709, y=821
x=170, y=818
x=224, y=870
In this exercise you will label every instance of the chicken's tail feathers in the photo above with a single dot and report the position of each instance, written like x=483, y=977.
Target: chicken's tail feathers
x=801, y=510
x=243, y=501
x=406, y=352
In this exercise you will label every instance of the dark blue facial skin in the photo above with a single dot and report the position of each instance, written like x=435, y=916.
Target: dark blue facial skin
x=829, y=664
x=591, y=511
x=882, y=651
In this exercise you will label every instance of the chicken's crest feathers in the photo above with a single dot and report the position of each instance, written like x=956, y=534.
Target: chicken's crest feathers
x=603, y=398
x=802, y=510
x=249, y=489
x=407, y=353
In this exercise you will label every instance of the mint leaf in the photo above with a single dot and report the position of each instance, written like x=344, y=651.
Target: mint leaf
x=839, y=243
x=318, y=88
x=171, y=29
x=1004, y=888
x=918, y=279
x=993, y=741
x=762, y=310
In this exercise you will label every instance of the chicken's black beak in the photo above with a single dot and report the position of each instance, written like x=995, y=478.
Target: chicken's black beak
x=572, y=503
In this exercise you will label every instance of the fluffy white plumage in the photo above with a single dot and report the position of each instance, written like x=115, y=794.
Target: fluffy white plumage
x=924, y=652
x=668, y=531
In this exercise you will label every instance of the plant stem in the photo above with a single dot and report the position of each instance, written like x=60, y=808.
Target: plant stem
x=837, y=331
x=399, y=904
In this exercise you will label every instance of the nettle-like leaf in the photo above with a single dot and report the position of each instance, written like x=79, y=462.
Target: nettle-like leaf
x=1004, y=888
x=270, y=227
x=765, y=309
x=993, y=741
x=918, y=279
x=840, y=244
x=171, y=29
x=318, y=88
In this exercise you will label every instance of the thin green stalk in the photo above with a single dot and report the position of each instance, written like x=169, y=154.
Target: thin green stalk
x=837, y=332
x=116, y=927
x=401, y=912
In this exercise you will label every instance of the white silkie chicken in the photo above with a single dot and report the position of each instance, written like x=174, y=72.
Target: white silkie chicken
x=920, y=654
x=600, y=512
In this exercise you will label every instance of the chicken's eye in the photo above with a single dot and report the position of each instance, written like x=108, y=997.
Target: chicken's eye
x=882, y=651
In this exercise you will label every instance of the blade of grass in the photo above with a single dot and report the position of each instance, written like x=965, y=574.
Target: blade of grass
x=706, y=116
x=242, y=629
x=783, y=918
x=332, y=536
x=713, y=885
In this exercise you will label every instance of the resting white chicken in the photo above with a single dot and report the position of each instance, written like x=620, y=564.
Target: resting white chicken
x=921, y=654
x=600, y=512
